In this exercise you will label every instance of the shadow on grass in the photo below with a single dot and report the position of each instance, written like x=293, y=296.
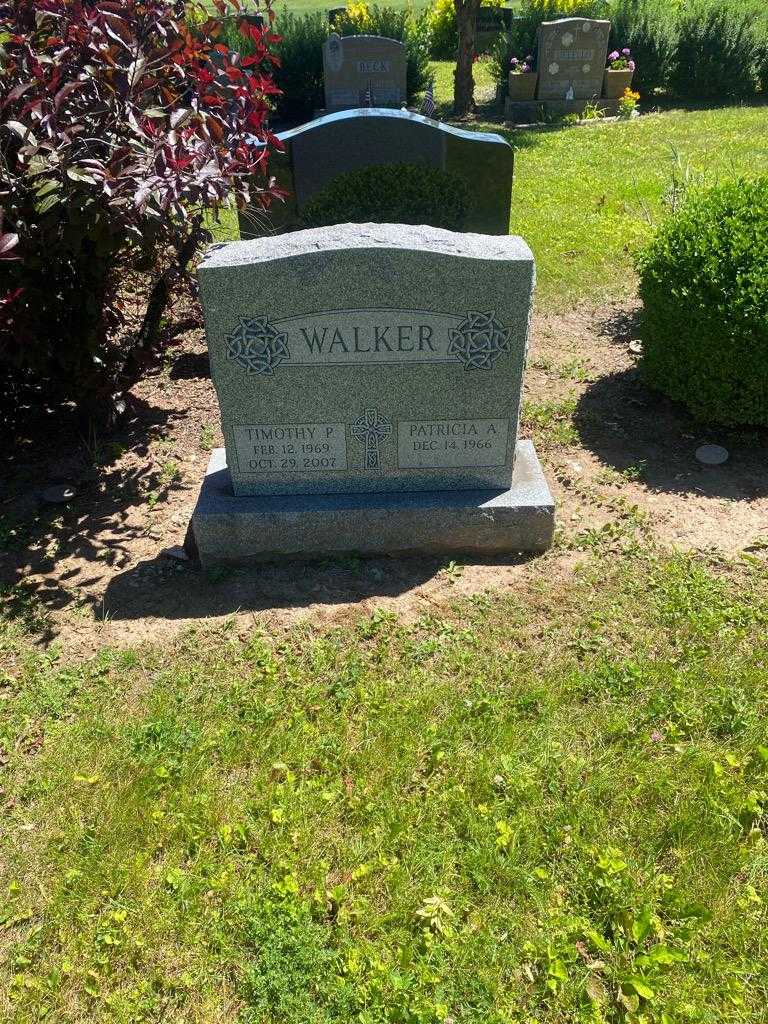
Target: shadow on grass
x=191, y=366
x=491, y=120
x=162, y=590
x=667, y=104
x=634, y=429
x=36, y=535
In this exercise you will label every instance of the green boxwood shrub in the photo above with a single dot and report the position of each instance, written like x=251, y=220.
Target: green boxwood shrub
x=717, y=51
x=704, y=288
x=392, y=194
x=649, y=29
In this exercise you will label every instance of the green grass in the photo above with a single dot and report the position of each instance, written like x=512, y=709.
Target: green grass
x=548, y=806
x=585, y=198
x=485, y=87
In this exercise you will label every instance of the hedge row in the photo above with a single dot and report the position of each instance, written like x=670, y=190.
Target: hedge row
x=693, y=49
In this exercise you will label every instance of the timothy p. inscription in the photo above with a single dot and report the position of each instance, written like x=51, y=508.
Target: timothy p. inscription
x=373, y=336
x=291, y=447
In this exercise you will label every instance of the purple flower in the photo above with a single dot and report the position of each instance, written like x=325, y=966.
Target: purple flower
x=626, y=52
x=631, y=65
x=514, y=61
x=613, y=56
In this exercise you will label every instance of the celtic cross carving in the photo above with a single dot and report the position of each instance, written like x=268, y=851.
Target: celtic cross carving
x=372, y=429
x=479, y=340
x=257, y=346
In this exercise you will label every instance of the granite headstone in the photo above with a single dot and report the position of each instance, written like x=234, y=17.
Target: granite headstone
x=363, y=71
x=572, y=58
x=317, y=152
x=375, y=369
x=409, y=392
x=489, y=23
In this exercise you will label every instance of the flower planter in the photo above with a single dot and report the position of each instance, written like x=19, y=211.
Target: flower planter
x=522, y=88
x=615, y=82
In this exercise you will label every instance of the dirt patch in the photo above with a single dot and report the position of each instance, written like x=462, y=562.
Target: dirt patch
x=619, y=458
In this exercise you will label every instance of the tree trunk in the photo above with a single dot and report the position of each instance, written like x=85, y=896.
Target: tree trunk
x=463, y=81
x=161, y=291
x=106, y=403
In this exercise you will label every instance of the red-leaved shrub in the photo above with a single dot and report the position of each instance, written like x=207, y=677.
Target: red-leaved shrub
x=121, y=124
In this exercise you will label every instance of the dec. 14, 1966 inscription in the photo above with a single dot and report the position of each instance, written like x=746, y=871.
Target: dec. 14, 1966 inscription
x=451, y=444
x=302, y=448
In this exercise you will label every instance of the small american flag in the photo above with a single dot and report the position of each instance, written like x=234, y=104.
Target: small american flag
x=428, y=105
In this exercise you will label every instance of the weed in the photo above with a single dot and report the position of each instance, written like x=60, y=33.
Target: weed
x=453, y=571
x=207, y=437
x=576, y=369
x=551, y=422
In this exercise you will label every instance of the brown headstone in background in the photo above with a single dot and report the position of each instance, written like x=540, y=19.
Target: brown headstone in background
x=572, y=58
x=363, y=71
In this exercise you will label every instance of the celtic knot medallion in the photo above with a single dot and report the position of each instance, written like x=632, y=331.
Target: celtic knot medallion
x=372, y=429
x=257, y=346
x=479, y=340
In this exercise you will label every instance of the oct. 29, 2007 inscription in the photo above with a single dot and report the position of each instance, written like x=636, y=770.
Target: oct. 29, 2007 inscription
x=291, y=447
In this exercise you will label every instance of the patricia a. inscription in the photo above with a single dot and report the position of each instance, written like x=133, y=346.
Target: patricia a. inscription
x=368, y=336
x=450, y=444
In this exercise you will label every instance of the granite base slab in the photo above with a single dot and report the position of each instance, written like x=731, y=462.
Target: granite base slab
x=229, y=530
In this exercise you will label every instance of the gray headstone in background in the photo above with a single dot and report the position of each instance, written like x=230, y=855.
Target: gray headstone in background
x=355, y=67
x=572, y=56
x=319, y=151
x=489, y=22
x=368, y=358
